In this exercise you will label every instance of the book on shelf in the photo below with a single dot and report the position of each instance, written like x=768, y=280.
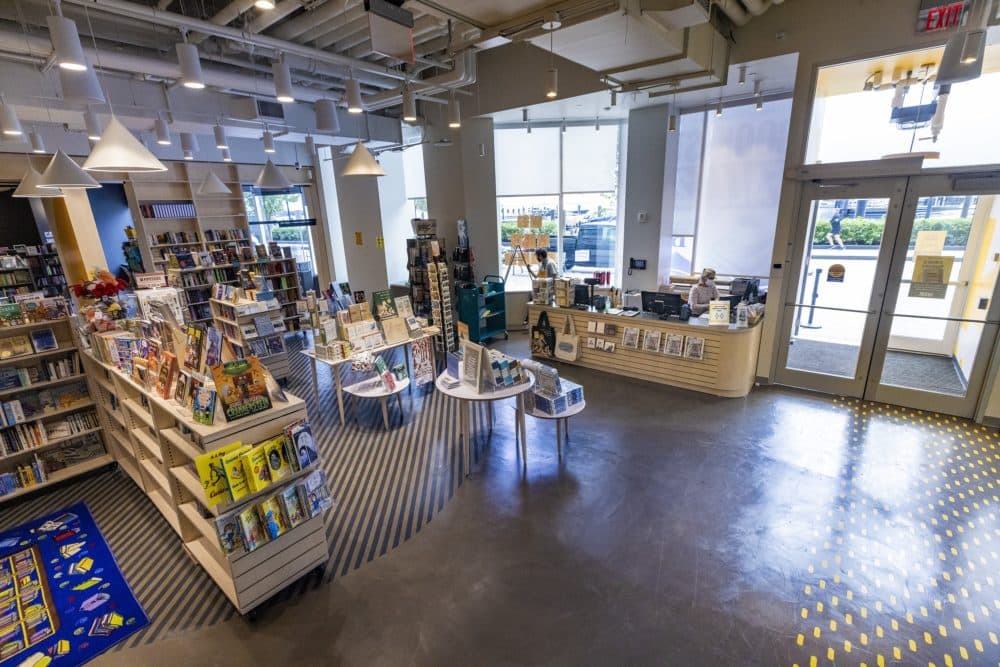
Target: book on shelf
x=258, y=475
x=230, y=533
x=294, y=505
x=273, y=517
x=236, y=474
x=251, y=529
x=302, y=445
x=43, y=340
x=203, y=405
x=212, y=473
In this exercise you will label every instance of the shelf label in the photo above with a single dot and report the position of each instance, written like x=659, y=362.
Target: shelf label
x=150, y=280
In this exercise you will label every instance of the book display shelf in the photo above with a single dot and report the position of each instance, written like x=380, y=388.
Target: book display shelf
x=254, y=328
x=157, y=442
x=49, y=428
x=15, y=276
x=195, y=286
x=278, y=279
x=43, y=265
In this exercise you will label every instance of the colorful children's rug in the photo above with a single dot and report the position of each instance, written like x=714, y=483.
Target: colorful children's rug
x=63, y=599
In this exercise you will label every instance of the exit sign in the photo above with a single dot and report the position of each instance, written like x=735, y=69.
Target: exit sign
x=938, y=15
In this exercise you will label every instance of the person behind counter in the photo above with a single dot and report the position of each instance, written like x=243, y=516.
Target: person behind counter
x=545, y=264
x=702, y=293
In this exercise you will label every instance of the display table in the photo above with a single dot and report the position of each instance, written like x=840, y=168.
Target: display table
x=335, y=365
x=562, y=422
x=466, y=396
x=373, y=388
x=727, y=368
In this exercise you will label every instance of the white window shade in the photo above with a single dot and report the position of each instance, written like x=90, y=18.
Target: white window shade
x=590, y=159
x=413, y=172
x=527, y=164
x=692, y=126
x=744, y=159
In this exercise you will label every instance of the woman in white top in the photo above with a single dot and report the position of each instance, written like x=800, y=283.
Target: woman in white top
x=702, y=293
x=545, y=264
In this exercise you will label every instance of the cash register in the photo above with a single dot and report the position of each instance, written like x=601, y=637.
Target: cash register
x=665, y=304
x=745, y=289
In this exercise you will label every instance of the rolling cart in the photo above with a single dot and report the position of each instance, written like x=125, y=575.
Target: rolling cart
x=484, y=309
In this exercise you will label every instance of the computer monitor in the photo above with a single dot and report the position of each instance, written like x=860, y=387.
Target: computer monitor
x=662, y=303
x=745, y=288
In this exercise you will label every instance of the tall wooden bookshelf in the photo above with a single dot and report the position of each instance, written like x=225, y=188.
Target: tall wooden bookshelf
x=156, y=442
x=54, y=425
x=241, y=324
x=280, y=278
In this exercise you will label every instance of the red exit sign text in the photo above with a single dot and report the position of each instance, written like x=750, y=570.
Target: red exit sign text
x=935, y=16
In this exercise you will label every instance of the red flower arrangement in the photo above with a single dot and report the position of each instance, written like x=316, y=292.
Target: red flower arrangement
x=103, y=285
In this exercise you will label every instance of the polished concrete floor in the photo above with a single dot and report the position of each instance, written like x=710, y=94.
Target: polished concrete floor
x=678, y=529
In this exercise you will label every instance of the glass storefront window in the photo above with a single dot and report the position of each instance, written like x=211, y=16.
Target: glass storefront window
x=508, y=210
x=272, y=216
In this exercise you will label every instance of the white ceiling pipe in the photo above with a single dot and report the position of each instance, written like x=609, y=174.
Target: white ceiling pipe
x=734, y=10
x=178, y=21
x=464, y=74
x=224, y=16
x=339, y=33
x=267, y=19
x=300, y=25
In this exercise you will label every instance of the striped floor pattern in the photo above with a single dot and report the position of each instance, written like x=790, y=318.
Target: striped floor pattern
x=387, y=487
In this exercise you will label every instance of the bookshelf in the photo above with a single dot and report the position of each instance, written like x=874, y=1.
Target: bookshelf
x=254, y=328
x=156, y=442
x=49, y=428
x=195, y=287
x=278, y=278
x=44, y=270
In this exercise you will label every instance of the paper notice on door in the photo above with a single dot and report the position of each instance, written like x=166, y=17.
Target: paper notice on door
x=930, y=242
x=581, y=255
x=931, y=274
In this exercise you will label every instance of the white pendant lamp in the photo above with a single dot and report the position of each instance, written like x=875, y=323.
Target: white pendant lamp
x=264, y=4
x=119, y=150
x=37, y=143
x=362, y=163
x=327, y=119
x=454, y=113
x=93, y=125
x=310, y=145
x=63, y=172
x=188, y=59
x=226, y=157
x=213, y=185
x=81, y=87
x=189, y=145
x=9, y=124
x=221, y=141
x=268, y=139
x=282, y=81
x=271, y=178
x=552, y=83
x=409, y=105
x=28, y=187
x=66, y=43
x=354, y=102
x=162, y=132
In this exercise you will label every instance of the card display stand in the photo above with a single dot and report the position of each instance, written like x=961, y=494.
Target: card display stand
x=156, y=442
x=240, y=331
x=55, y=431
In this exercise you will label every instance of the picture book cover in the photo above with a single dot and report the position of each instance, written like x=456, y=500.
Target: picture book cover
x=242, y=387
x=15, y=346
x=272, y=517
x=212, y=473
x=403, y=306
x=182, y=388
x=11, y=314
x=383, y=305
x=125, y=349
x=203, y=405
x=192, y=357
x=317, y=493
x=277, y=462
x=166, y=375
x=303, y=444
x=257, y=471
x=295, y=509
x=230, y=535
x=213, y=347
x=236, y=476
x=251, y=530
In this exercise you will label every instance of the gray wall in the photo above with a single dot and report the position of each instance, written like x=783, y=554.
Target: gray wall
x=646, y=147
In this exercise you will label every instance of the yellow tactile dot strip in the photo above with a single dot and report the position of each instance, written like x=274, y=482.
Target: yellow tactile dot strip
x=910, y=576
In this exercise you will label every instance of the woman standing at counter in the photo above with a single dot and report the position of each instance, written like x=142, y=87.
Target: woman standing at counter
x=703, y=293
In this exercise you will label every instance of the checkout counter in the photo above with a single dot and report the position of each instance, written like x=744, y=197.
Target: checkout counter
x=728, y=366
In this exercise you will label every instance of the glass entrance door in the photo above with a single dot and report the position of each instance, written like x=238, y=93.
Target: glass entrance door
x=842, y=269
x=896, y=293
x=939, y=318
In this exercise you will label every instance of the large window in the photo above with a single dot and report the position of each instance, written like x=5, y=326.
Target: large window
x=413, y=175
x=729, y=174
x=283, y=216
x=568, y=177
x=854, y=119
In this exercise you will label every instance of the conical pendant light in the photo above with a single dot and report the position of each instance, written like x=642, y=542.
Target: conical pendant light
x=271, y=178
x=119, y=150
x=29, y=186
x=213, y=185
x=362, y=163
x=63, y=172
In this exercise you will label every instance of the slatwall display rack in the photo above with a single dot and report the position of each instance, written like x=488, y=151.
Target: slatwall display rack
x=156, y=442
x=68, y=345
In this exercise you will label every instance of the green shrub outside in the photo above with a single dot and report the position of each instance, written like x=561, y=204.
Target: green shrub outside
x=508, y=227
x=858, y=231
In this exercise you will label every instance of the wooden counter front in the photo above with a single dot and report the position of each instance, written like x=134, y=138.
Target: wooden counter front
x=727, y=369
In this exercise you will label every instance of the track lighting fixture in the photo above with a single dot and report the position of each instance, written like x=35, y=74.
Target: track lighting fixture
x=409, y=105
x=454, y=112
x=162, y=132
x=37, y=143
x=93, y=125
x=354, y=102
x=282, y=81
x=221, y=142
x=9, y=123
x=327, y=119
x=190, y=62
x=66, y=42
x=268, y=140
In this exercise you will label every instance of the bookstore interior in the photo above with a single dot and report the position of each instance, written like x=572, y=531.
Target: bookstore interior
x=287, y=288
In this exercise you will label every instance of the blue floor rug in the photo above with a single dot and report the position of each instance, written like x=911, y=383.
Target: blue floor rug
x=63, y=599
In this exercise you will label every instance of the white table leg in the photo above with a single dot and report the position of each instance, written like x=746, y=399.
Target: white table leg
x=566, y=428
x=559, y=437
x=467, y=435
x=489, y=408
x=385, y=412
x=399, y=404
x=407, y=349
x=524, y=432
x=340, y=391
x=315, y=370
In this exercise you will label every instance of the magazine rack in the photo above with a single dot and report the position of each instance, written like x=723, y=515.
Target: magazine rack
x=156, y=442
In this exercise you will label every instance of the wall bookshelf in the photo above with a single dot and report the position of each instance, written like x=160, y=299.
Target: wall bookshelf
x=156, y=442
x=278, y=279
x=49, y=428
x=254, y=328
